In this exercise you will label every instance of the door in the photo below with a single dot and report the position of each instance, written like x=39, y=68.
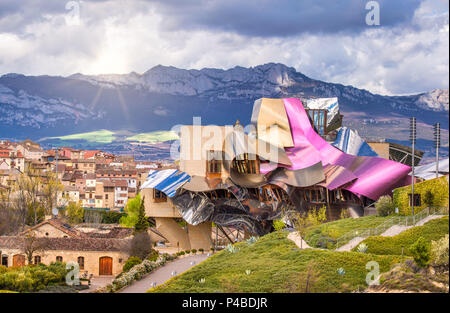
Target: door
x=105, y=265
x=18, y=260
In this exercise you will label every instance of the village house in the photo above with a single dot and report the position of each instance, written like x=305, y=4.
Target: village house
x=68, y=195
x=86, y=166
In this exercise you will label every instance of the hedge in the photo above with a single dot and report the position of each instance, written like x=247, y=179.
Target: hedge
x=438, y=187
x=433, y=230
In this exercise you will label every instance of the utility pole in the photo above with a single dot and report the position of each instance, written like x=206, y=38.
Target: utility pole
x=56, y=184
x=437, y=144
x=412, y=137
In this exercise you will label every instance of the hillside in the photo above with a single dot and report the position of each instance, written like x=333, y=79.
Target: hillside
x=285, y=272
x=47, y=106
x=275, y=264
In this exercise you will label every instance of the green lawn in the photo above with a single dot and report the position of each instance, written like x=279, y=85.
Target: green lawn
x=340, y=227
x=432, y=230
x=100, y=136
x=276, y=265
x=154, y=137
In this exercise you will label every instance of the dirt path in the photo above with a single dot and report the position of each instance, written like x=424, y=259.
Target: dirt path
x=163, y=274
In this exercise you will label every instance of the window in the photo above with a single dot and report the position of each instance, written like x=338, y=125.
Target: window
x=37, y=259
x=214, y=162
x=4, y=260
x=159, y=196
x=314, y=195
x=417, y=199
x=247, y=164
x=319, y=120
x=106, y=196
x=81, y=262
x=59, y=259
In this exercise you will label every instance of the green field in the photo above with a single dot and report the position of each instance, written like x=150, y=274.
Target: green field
x=99, y=136
x=277, y=265
x=106, y=136
x=154, y=137
x=433, y=230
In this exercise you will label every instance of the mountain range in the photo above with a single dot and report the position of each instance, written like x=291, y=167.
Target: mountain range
x=38, y=107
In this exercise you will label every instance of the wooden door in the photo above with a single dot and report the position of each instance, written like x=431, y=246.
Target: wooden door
x=105, y=265
x=18, y=260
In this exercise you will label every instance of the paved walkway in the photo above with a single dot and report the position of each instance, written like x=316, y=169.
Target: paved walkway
x=297, y=239
x=163, y=274
x=390, y=232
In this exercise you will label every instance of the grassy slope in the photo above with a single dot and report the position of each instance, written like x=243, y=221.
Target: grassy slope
x=275, y=264
x=100, y=136
x=340, y=227
x=432, y=230
x=154, y=137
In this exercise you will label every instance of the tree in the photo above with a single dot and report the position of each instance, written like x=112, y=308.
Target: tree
x=132, y=211
x=384, y=206
x=75, y=213
x=140, y=245
x=142, y=223
x=32, y=244
x=428, y=198
x=50, y=188
x=304, y=220
x=420, y=251
x=26, y=197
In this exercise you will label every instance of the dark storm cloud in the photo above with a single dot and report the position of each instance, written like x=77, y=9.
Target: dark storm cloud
x=260, y=18
x=280, y=18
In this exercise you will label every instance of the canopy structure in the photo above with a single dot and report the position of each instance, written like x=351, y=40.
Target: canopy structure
x=349, y=141
x=167, y=181
x=428, y=171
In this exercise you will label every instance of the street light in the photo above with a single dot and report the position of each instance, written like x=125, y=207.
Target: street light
x=412, y=137
x=437, y=144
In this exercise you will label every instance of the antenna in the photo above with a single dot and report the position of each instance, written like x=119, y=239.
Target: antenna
x=412, y=137
x=437, y=144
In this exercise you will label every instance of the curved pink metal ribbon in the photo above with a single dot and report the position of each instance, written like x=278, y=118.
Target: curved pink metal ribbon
x=374, y=176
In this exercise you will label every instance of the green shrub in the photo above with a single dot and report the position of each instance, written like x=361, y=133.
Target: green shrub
x=439, y=251
x=432, y=230
x=32, y=278
x=132, y=261
x=384, y=206
x=279, y=224
x=188, y=251
x=112, y=217
x=201, y=250
x=420, y=251
x=182, y=253
x=154, y=254
x=194, y=251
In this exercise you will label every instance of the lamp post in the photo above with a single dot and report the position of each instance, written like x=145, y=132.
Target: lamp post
x=55, y=210
x=412, y=137
x=437, y=144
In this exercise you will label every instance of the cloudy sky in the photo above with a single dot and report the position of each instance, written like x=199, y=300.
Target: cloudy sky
x=324, y=39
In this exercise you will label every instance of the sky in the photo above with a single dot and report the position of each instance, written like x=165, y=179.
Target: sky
x=332, y=40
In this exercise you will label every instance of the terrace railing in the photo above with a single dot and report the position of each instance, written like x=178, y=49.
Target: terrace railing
x=405, y=221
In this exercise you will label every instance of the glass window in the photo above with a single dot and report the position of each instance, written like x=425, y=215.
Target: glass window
x=81, y=262
x=214, y=162
x=59, y=259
